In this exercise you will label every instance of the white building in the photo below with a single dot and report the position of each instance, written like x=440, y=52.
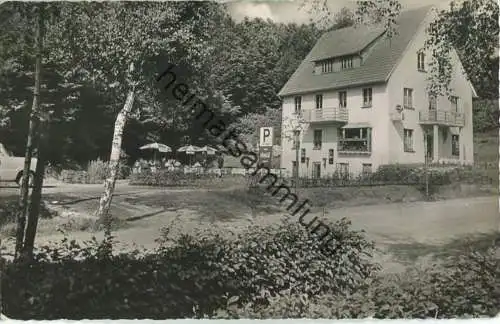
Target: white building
x=364, y=102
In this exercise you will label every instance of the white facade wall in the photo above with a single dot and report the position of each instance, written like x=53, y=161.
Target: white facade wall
x=406, y=75
x=357, y=114
x=387, y=135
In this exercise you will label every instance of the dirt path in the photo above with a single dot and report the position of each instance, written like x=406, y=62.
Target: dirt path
x=145, y=211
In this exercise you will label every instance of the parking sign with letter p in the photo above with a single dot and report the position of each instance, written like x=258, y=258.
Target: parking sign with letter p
x=266, y=136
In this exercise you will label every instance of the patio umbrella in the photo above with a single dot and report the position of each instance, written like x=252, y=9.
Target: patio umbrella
x=189, y=150
x=209, y=150
x=156, y=147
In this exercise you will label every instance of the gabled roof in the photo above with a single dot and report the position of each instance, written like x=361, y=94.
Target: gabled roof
x=378, y=65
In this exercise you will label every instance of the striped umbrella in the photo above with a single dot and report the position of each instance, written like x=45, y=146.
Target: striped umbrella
x=209, y=150
x=189, y=149
x=156, y=146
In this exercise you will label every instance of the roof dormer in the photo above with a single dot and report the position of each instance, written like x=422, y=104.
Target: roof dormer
x=337, y=64
x=347, y=52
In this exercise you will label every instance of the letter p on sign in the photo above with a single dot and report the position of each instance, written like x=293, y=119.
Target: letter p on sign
x=266, y=136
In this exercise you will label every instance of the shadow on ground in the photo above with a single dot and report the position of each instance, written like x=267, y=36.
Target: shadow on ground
x=410, y=252
x=212, y=205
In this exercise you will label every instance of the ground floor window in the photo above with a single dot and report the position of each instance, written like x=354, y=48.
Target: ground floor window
x=455, y=145
x=343, y=168
x=303, y=155
x=408, y=140
x=367, y=168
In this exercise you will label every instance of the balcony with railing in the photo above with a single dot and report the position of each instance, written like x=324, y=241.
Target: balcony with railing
x=325, y=115
x=444, y=118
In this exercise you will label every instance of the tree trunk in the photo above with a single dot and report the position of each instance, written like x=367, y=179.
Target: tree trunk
x=114, y=161
x=23, y=197
x=36, y=196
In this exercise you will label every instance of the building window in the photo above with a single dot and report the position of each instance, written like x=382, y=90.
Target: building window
x=421, y=61
x=367, y=168
x=319, y=101
x=454, y=103
x=432, y=102
x=327, y=66
x=347, y=63
x=408, y=140
x=367, y=97
x=343, y=169
x=330, y=156
x=303, y=155
x=343, y=99
x=298, y=105
x=318, y=139
x=455, y=145
x=408, y=98
x=354, y=140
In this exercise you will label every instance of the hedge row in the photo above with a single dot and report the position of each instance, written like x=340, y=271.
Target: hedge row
x=96, y=172
x=199, y=272
x=165, y=178
x=84, y=177
x=385, y=175
x=402, y=175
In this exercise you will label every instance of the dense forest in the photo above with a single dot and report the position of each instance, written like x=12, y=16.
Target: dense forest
x=236, y=67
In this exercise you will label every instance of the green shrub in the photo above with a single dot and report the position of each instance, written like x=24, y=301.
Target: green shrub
x=165, y=178
x=395, y=173
x=97, y=171
x=193, y=275
x=467, y=287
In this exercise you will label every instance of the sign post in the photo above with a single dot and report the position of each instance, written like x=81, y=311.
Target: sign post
x=266, y=146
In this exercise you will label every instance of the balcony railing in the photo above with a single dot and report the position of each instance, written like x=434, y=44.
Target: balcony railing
x=354, y=146
x=334, y=114
x=438, y=117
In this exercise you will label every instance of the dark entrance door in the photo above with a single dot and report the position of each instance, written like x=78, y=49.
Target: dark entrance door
x=316, y=170
x=430, y=146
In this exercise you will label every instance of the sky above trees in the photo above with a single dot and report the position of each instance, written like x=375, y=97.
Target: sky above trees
x=289, y=11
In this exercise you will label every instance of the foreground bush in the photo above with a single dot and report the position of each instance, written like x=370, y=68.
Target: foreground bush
x=264, y=273
x=191, y=275
x=468, y=287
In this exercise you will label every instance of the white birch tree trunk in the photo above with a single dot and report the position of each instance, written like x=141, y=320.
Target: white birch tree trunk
x=114, y=161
